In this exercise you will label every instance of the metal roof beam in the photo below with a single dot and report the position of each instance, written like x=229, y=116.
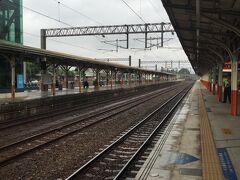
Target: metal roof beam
x=204, y=9
x=205, y=31
x=224, y=24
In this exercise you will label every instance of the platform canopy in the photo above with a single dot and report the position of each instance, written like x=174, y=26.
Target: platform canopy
x=207, y=30
x=35, y=55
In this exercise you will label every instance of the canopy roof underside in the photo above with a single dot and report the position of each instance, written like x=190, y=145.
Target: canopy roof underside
x=207, y=30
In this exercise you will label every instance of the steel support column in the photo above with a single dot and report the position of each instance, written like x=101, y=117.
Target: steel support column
x=107, y=76
x=135, y=79
x=130, y=61
x=79, y=79
x=129, y=79
x=97, y=79
x=43, y=64
x=66, y=69
x=54, y=81
x=13, y=74
x=115, y=76
x=111, y=78
x=140, y=78
x=122, y=78
x=24, y=72
x=43, y=39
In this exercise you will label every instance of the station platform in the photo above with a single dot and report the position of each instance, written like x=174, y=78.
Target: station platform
x=38, y=94
x=202, y=142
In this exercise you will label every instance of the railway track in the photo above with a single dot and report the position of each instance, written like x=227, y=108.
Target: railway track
x=61, y=111
x=114, y=161
x=11, y=152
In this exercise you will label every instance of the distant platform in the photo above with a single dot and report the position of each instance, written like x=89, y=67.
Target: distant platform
x=36, y=94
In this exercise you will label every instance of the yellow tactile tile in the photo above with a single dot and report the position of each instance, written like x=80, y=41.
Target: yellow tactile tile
x=210, y=161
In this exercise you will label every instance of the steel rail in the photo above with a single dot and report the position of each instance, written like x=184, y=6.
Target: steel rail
x=118, y=141
x=59, y=111
x=144, y=145
x=11, y=158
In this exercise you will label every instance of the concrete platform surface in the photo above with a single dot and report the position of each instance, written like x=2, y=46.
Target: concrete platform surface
x=37, y=94
x=179, y=152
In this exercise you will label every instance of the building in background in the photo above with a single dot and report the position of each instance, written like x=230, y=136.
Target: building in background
x=11, y=29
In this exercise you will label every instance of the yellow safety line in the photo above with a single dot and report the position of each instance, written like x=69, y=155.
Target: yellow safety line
x=210, y=162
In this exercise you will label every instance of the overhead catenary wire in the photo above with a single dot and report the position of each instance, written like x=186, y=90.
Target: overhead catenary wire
x=133, y=11
x=81, y=14
x=155, y=9
x=78, y=12
x=47, y=16
x=70, y=44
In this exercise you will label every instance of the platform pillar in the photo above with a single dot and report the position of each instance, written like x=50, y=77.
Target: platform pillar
x=129, y=79
x=122, y=77
x=234, y=88
x=210, y=82
x=107, y=78
x=140, y=78
x=111, y=74
x=25, y=72
x=79, y=79
x=220, y=81
x=97, y=79
x=13, y=74
x=54, y=81
x=214, y=81
x=135, y=79
x=43, y=63
x=66, y=69
x=115, y=76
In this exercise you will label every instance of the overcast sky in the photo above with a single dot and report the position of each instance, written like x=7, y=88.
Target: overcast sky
x=99, y=12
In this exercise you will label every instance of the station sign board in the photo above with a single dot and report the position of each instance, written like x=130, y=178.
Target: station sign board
x=227, y=66
x=20, y=81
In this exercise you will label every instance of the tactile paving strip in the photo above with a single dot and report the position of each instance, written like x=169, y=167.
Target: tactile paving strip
x=211, y=169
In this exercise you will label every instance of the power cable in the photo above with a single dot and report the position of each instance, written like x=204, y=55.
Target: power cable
x=78, y=12
x=133, y=11
x=42, y=14
x=155, y=9
x=35, y=35
x=47, y=16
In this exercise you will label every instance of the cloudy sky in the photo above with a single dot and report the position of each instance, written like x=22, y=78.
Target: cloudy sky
x=57, y=13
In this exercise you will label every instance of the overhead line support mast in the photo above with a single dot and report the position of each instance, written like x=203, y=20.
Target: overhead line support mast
x=108, y=30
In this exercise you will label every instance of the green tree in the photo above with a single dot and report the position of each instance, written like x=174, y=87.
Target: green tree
x=32, y=70
x=184, y=71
